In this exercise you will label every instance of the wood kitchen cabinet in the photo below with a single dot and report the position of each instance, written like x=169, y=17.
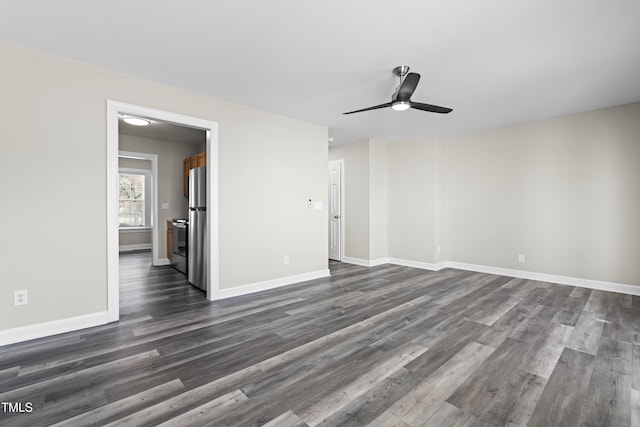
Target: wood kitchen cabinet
x=169, y=239
x=202, y=159
x=189, y=163
x=186, y=167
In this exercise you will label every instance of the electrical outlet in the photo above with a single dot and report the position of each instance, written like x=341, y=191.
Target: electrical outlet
x=286, y=259
x=521, y=258
x=20, y=297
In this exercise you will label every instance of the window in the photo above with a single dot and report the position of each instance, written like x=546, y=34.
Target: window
x=132, y=206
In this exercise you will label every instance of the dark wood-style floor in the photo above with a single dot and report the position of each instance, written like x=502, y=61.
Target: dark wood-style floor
x=383, y=346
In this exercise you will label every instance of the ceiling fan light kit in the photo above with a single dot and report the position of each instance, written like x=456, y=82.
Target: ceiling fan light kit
x=401, y=99
x=400, y=106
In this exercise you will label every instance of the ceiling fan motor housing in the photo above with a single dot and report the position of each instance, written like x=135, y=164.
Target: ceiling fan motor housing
x=401, y=70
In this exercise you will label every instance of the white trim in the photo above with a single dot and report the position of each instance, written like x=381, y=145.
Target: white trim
x=342, y=208
x=212, y=215
x=149, y=193
x=551, y=278
x=365, y=262
x=127, y=230
x=113, y=235
x=418, y=264
x=131, y=248
x=164, y=261
x=40, y=330
x=155, y=233
x=379, y=261
x=271, y=284
x=520, y=274
x=113, y=109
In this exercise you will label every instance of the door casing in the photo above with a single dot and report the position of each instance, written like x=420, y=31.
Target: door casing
x=114, y=108
x=338, y=254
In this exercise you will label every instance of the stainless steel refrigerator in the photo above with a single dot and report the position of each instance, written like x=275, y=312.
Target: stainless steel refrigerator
x=197, y=252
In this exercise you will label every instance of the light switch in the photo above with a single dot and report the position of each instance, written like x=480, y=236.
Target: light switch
x=317, y=205
x=165, y=206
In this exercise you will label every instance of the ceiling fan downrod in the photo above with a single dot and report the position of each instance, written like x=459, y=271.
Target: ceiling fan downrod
x=401, y=71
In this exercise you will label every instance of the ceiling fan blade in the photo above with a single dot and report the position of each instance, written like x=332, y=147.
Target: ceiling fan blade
x=388, y=104
x=407, y=87
x=430, y=108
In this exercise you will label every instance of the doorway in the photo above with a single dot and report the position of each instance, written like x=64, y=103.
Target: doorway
x=114, y=109
x=150, y=206
x=336, y=210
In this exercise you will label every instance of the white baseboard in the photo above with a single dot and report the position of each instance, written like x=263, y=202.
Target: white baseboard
x=520, y=274
x=551, y=278
x=131, y=248
x=378, y=261
x=418, y=264
x=40, y=330
x=365, y=262
x=271, y=284
x=356, y=261
x=163, y=261
x=395, y=261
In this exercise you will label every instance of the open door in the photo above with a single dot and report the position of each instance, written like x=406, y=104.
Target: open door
x=335, y=210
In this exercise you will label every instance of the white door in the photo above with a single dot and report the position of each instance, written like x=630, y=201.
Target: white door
x=335, y=210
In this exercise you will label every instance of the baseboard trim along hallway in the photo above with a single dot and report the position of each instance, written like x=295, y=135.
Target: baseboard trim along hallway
x=271, y=284
x=550, y=278
x=520, y=274
x=45, y=329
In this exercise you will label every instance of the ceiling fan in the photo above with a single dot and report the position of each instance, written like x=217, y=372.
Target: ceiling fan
x=401, y=99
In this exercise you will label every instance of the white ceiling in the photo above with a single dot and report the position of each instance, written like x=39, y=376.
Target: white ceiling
x=495, y=62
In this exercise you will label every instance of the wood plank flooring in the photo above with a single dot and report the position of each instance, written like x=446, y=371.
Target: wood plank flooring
x=382, y=346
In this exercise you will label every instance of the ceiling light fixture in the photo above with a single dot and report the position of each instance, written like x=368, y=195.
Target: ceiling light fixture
x=136, y=121
x=400, y=105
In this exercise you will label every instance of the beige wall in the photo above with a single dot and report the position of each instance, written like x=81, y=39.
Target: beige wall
x=124, y=162
x=170, y=170
x=136, y=237
x=412, y=200
x=378, y=200
x=563, y=191
x=54, y=120
x=269, y=170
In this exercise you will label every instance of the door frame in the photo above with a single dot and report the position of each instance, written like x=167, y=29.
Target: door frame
x=153, y=158
x=343, y=209
x=115, y=108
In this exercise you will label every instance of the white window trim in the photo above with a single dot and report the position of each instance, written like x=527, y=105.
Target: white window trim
x=126, y=230
x=148, y=185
